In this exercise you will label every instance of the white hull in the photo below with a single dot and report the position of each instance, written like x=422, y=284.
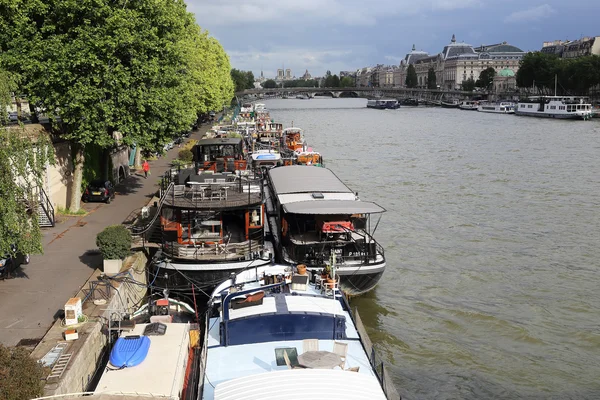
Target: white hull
x=539, y=114
x=496, y=111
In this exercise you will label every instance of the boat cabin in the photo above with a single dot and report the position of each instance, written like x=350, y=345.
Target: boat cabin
x=220, y=154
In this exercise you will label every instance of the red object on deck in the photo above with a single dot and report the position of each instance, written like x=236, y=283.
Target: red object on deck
x=162, y=302
x=337, y=226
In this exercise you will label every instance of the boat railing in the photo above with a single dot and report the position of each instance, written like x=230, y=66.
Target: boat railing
x=375, y=359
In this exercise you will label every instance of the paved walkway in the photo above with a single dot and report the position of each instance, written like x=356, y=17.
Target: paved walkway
x=30, y=303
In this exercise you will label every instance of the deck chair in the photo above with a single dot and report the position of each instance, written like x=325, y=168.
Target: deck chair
x=310, y=345
x=289, y=363
x=179, y=190
x=341, y=349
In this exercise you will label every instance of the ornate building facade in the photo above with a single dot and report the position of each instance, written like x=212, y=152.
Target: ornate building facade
x=458, y=62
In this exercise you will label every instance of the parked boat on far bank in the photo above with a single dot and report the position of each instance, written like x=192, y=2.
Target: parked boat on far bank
x=503, y=107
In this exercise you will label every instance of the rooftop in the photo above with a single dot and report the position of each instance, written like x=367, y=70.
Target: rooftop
x=305, y=179
x=161, y=373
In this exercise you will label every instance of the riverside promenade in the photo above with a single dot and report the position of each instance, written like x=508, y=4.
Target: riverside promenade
x=31, y=302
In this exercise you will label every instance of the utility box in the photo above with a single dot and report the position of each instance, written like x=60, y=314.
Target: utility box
x=73, y=311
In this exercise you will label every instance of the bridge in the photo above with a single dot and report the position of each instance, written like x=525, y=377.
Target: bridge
x=367, y=92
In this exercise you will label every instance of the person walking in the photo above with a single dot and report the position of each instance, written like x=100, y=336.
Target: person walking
x=146, y=168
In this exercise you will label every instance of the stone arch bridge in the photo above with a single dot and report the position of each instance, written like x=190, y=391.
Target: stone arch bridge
x=366, y=92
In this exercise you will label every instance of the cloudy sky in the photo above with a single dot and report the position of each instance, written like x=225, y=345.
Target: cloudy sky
x=338, y=35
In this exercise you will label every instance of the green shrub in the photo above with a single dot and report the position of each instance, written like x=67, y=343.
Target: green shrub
x=20, y=375
x=186, y=155
x=114, y=242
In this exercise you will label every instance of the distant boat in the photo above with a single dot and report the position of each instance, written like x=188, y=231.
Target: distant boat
x=562, y=107
x=469, y=105
x=410, y=102
x=383, y=104
x=450, y=104
x=503, y=107
x=303, y=96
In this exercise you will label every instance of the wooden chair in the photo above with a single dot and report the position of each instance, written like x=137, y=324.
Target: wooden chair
x=341, y=349
x=310, y=345
x=289, y=363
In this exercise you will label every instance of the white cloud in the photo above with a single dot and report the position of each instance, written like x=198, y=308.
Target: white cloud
x=531, y=14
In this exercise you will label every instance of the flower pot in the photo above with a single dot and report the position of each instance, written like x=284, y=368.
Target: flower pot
x=112, y=267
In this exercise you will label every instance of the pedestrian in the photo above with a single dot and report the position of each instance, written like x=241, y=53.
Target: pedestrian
x=146, y=168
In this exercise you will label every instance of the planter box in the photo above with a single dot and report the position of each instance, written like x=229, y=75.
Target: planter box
x=112, y=267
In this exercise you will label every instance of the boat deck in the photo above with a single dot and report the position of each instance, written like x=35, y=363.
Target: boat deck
x=213, y=197
x=160, y=374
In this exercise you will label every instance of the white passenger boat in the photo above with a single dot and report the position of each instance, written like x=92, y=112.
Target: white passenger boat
x=312, y=215
x=562, y=107
x=469, y=105
x=503, y=107
x=272, y=333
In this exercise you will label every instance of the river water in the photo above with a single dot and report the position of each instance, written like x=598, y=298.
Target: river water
x=492, y=239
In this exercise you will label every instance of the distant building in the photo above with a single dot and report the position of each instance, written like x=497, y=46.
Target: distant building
x=280, y=75
x=288, y=74
x=306, y=76
x=586, y=46
x=458, y=62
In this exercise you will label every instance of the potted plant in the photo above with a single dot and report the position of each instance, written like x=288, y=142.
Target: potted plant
x=114, y=243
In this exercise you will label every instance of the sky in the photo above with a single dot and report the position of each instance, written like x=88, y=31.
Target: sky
x=344, y=35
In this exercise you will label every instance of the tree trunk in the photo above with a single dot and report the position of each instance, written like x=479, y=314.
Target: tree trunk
x=138, y=157
x=78, y=160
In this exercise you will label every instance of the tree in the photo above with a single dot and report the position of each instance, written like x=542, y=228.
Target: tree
x=411, y=77
x=143, y=69
x=431, y=79
x=486, y=78
x=20, y=375
x=468, y=85
x=24, y=156
x=242, y=79
x=347, y=82
x=269, y=84
x=335, y=81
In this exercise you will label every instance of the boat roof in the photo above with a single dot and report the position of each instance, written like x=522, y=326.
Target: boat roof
x=161, y=373
x=305, y=179
x=332, y=207
x=301, y=384
x=216, y=141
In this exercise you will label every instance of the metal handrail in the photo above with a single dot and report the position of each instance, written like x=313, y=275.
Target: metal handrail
x=141, y=230
x=47, y=206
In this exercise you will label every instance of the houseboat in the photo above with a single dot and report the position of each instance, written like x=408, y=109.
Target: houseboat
x=276, y=333
x=503, y=107
x=469, y=105
x=383, y=104
x=313, y=216
x=563, y=107
x=293, y=138
x=171, y=348
x=211, y=219
x=452, y=103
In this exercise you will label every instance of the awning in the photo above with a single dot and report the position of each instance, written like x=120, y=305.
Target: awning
x=319, y=207
x=302, y=384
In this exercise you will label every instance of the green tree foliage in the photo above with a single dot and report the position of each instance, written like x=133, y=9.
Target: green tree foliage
x=269, y=84
x=431, y=79
x=20, y=375
x=141, y=68
x=468, y=85
x=486, y=78
x=347, y=81
x=24, y=156
x=411, y=77
x=242, y=79
x=331, y=81
x=573, y=76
